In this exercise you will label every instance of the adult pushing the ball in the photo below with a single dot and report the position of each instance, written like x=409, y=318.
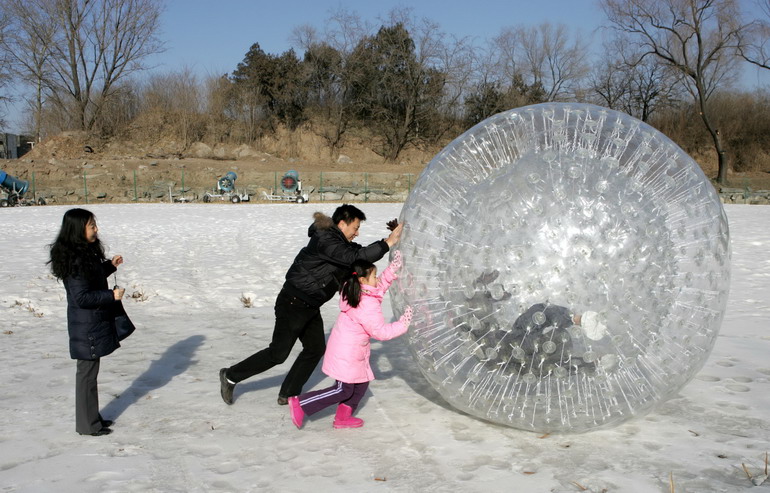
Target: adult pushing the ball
x=312, y=280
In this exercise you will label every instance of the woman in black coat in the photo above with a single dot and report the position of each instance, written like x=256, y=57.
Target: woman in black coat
x=77, y=258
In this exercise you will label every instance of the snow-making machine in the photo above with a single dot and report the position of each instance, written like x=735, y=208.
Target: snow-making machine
x=225, y=190
x=291, y=188
x=12, y=191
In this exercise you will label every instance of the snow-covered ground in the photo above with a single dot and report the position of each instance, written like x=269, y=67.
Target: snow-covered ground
x=191, y=267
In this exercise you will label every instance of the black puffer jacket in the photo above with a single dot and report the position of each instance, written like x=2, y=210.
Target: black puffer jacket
x=91, y=314
x=316, y=273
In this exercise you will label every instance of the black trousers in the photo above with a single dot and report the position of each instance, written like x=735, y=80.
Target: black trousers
x=87, y=417
x=294, y=320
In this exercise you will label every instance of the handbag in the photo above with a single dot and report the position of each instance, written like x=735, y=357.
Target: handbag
x=123, y=324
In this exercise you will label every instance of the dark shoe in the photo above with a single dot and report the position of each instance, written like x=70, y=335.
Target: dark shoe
x=225, y=388
x=487, y=277
x=282, y=401
x=103, y=431
x=106, y=423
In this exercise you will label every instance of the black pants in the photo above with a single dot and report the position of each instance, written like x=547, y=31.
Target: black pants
x=294, y=319
x=87, y=417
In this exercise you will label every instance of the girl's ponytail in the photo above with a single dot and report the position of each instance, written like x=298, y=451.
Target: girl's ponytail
x=351, y=287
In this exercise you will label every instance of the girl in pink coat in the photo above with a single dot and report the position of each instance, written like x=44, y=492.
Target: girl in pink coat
x=348, y=349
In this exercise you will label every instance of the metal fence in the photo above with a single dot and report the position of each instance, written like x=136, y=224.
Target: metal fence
x=154, y=185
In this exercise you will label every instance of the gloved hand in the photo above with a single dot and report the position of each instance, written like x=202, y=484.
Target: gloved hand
x=396, y=262
x=406, y=318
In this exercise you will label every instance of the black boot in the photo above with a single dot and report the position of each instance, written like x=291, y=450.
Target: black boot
x=103, y=431
x=106, y=423
x=225, y=387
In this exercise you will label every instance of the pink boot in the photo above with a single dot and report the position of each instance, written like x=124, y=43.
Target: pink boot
x=297, y=414
x=343, y=418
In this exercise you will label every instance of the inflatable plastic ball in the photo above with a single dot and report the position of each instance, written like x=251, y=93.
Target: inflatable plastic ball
x=568, y=266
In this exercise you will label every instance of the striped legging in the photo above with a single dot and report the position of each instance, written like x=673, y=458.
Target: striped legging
x=349, y=394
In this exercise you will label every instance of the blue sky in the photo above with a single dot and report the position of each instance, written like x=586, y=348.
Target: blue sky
x=211, y=38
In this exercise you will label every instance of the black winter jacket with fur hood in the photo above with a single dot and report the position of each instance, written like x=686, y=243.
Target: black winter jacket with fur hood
x=316, y=273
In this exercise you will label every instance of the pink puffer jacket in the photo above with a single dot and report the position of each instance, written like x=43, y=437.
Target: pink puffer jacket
x=348, y=349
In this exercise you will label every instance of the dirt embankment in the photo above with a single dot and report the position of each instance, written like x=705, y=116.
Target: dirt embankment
x=69, y=166
x=72, y=168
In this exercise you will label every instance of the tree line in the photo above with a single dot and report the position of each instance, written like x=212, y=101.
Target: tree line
x=403, y=83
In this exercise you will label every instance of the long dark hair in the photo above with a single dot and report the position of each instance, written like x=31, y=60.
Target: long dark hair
x=351, y=287
x=71, y=254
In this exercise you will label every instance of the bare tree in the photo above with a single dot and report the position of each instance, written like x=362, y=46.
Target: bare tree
x=755, y=41
x=496, y=85
x=345, y=29
x=610, y=83
x=304, y=36
x=544, y=56
x=455, y=59
x=5, y=55
x=219, y=108
x=120, y=110
x=436, y=52
x=328, y=72
x=653, y=86
x=81, y=49
x=30, y=43
x=635, y=85
x=177, y=96
x=501, y=63
x=696, y=38
x=328, y=87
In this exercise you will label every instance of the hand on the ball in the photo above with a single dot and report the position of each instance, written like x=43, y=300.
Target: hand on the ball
x=395, y=235
x=396, y=263
x=406, y=318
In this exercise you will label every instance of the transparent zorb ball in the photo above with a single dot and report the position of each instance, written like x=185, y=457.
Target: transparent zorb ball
x=579, y=209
